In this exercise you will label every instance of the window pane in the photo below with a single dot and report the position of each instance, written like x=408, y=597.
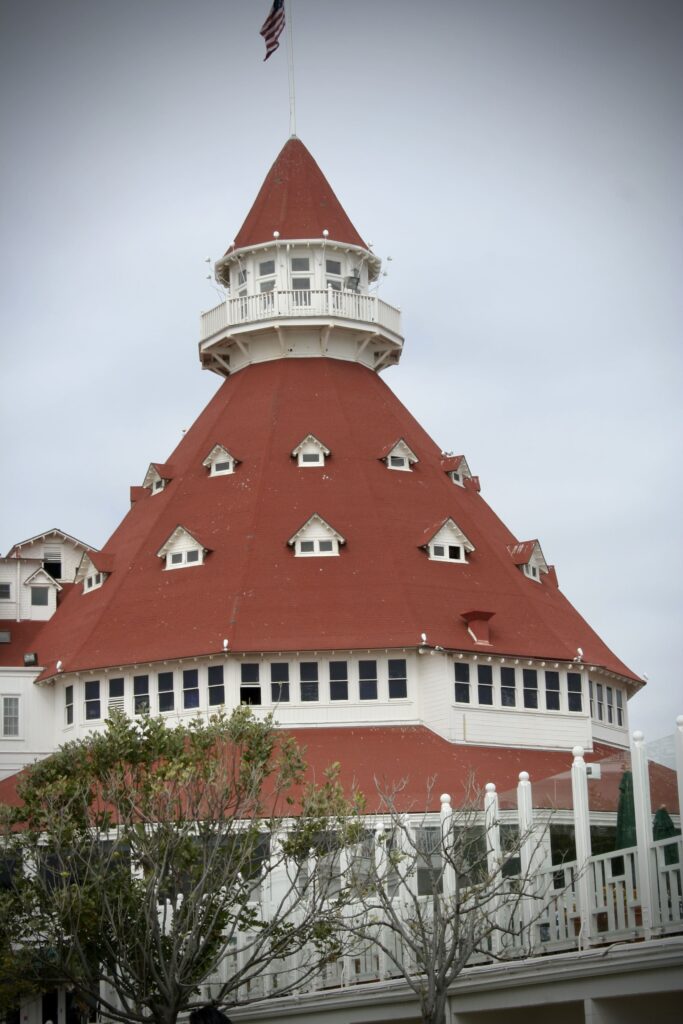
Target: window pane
x=176, y=558
x=462, y=672
x=307, y=545
x=191, y=688
x=250, y=672
x=462, y=693
x=311, y=457
x=92, y=699
x=454, y=552
x=530, y=687
x=333, y=267
x=266, y=267
x=192, y=556
x=308, y=674
x=398, y=683
x=326, y=545
x=140, y=694
x=216, y=687
x=10, y=716
x=279, y=692
x=115, y=688
x=485, y=684
x=339, y=684
x=574, y=691
x=300, y=263
x=508, y=692
x=165, y=683
x=250, y=695
x=301, y=284
x=552, y=691
x=39, y=596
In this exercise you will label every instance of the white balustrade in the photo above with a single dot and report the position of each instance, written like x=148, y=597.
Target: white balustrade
x=291, y=303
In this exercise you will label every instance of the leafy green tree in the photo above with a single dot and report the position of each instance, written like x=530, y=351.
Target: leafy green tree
x=151, y=862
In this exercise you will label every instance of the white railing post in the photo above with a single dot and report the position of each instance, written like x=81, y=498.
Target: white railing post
x=678, y=741
x=582, y=839
x=447, y=846
x=647, y=885
x=530, y=860
x=493, y=858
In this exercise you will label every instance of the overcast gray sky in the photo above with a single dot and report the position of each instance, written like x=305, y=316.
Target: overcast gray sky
x=519, y=160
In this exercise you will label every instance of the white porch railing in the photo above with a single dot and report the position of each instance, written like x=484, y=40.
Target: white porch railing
x=276, y=305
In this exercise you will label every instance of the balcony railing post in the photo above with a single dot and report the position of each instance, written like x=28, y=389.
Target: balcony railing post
x=582, y=834
x=647, y=884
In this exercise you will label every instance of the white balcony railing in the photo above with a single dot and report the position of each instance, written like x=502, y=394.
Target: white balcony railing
x=276, y=305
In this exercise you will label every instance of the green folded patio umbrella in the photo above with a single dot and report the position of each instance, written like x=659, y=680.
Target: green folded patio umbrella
x=626, y=814
x=664, y=828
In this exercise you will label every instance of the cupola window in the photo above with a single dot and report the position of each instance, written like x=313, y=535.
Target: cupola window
x=266, y=283
x=448, y=543
x=333, y=274
x=400, y=456
x=219, y=461
x=529, y=557
x=315, y=539
x=310, y=452
x=182, y=550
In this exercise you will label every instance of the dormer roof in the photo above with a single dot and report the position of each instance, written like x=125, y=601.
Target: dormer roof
x=455, y=464
x=297, y=201
x=447, y=527
x=313, y=522
x=179, y=536
x=219, y=451
x=401, y=448
x=312, y=440
x=54, y=534
x=528, y=552
x=41, y=576
x=158, y=471
x=94, y=561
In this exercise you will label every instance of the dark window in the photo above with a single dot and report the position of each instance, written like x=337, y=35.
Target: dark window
x=429, y=861
x=530, y=677
x=398, y=679
x=53, y=568
x=397, y=460
x=367, y=680
x=311, y=457
x=176, y=558
x=250, y=689
x=279, y=682
x=300, y=263
x=485, y=684
x=140, y=694
x=306, y=545
x=308, y=675
x=508, y=687
x=192, y=556
x=266, y=267
x=610, y=703
x=339, y=680
x=92, y=700
x=552, y=691
x=620, y=707
x=5, y=592
x=462, y=682
x=325, y=545
x=39, y=596
x=165, y=681
x=6, y=638
x=190, y=688
x=116, y=689
x=222, y=467
x=216, y=685
x=454, y=552
x=600, y=701
x=69, y=704
x=574, y=691
x=590, y=694
x=333, y=267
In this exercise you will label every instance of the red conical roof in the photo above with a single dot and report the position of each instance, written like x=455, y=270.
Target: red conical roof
x=297, y=200
x=382, y=591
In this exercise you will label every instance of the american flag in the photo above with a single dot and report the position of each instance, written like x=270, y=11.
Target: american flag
x=273, y=26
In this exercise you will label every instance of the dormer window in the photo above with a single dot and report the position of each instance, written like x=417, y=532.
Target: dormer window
x=157, y=476
x=447, y=544
x=400, y=457
x=529, y=558
x=219, y=461
x=310, y=452
x=93, y=569
x=182, y=550
x=316, y=539
x=455, y=466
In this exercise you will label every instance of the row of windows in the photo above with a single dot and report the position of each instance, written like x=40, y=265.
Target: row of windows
x=279, y=683
x=606, y=703
x=39, y=595
x=534, y=689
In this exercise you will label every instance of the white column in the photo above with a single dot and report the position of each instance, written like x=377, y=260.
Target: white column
x=582, y=839
x=678, y=740
x=493, y=858
x=447, y=845
x=647, y=884
x=528, y=854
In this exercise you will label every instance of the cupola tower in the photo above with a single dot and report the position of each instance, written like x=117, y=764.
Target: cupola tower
x=299, y=279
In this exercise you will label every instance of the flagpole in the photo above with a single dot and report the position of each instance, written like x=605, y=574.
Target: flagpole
x=290, y=67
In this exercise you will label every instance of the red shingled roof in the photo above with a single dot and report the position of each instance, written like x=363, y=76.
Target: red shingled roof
x=376, y=758
x=297, y=200
x=23, y=640
x=382, y=591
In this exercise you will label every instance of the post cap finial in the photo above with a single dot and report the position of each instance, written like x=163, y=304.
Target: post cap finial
x=490, y=787
x=523, y=776
x=577, y=751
